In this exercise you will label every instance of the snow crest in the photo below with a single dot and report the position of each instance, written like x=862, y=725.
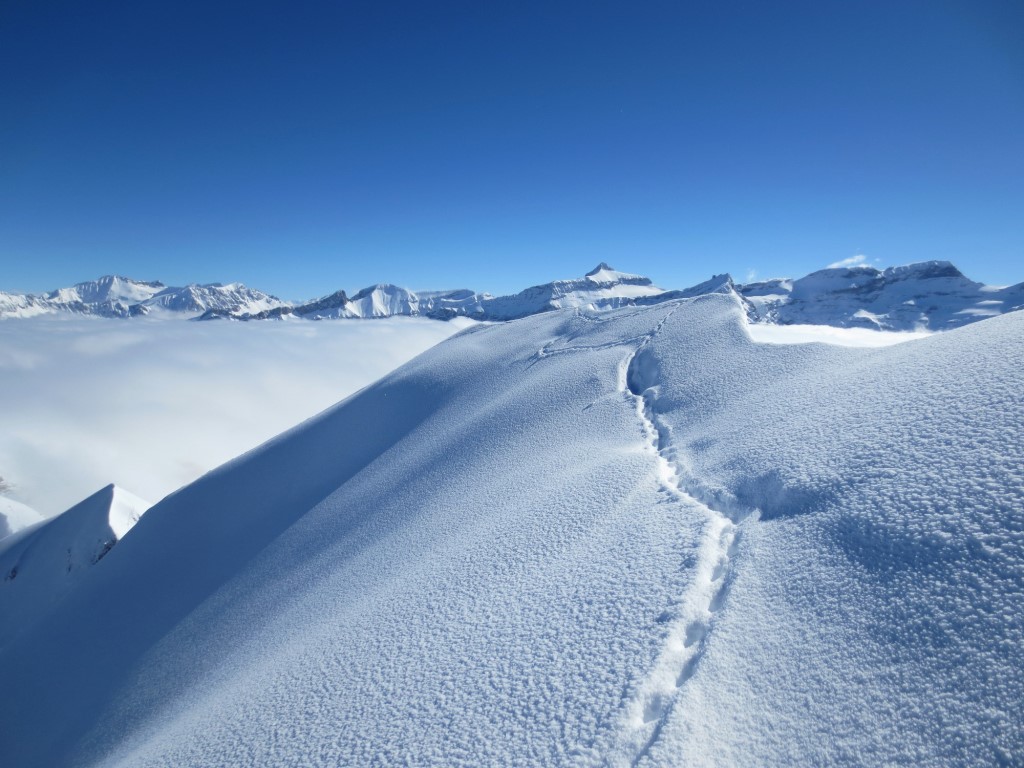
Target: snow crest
x=692, y=616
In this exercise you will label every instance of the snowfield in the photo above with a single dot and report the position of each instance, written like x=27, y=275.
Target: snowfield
x=635, y=537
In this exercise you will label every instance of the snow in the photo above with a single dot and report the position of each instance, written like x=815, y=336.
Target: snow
x=385, y=300
x=151, y=405
x=14, y=516
x=16, y=305
x=122, y=297
x=826, y=334
x=42, y=562
x=601, y=288
x=930, y=295
x=111, y=288
x=634, y=537
x=195, y=299
x=874, y=614
x=604, y=274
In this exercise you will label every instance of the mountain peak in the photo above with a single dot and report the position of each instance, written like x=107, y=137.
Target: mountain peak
x=602, y=267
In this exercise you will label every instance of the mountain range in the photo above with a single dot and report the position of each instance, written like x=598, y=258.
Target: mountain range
x=119, y=297
x=932, y=295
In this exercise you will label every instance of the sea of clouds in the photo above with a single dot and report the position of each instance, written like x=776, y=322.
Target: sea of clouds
x=152, y=404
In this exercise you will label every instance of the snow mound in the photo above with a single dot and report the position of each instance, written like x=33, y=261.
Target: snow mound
x=43, y=562
x=14, y=516
x=634, y=537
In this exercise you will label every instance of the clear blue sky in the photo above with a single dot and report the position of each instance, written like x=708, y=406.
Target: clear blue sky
x=302, y=147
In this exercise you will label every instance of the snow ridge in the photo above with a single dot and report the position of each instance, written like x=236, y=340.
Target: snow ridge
x=647, y=710
x=43, y=562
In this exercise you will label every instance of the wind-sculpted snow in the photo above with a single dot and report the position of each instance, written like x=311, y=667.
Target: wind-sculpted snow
x=876, y=616
x=631, y=537
x=45, y=560
x=14, y=516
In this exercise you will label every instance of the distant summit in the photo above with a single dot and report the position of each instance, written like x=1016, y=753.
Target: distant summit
x=930, y=295
x=603, y=273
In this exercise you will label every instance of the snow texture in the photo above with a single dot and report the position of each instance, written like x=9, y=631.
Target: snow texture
x=14, y=516
x=637, y=537
x=42, y=562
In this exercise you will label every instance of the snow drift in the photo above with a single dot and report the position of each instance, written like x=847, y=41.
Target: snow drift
x=635, y=537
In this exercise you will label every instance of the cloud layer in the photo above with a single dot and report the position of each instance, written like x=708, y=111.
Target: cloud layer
x=151, y=405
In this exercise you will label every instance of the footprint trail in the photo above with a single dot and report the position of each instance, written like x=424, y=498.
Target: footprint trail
x=651, y=702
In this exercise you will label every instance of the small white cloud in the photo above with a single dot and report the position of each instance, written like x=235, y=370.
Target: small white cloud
x=751, y=275
x=858, y=260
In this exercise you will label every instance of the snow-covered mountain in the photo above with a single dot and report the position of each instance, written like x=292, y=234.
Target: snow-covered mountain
x=631, y=537
x=113, y=296
x=601, y=288
x=109, y=296
x=42, y=562
x=385, y=300
x=932, y=295
x=925, y=296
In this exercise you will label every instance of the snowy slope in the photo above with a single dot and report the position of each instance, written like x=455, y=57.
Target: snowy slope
x=14, y=516
x=44, y=561
x=635, y=537
x=870, y=609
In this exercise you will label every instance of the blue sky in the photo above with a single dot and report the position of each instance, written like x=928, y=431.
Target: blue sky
x=304, y=147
